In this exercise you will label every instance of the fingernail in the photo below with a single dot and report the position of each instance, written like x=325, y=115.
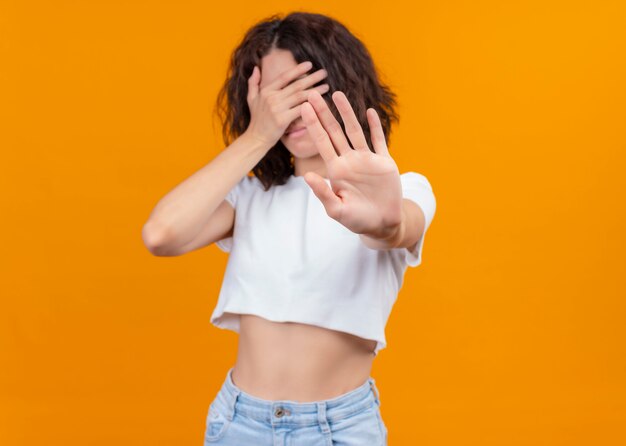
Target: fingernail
x=308, y=64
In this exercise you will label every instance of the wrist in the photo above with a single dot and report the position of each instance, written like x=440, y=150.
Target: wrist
x=396, y=234
x=391, y=237
x=257, y=141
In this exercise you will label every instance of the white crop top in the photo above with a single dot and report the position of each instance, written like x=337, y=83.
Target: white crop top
x=290, y=261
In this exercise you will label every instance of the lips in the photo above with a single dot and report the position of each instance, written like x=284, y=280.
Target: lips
x=294, y=130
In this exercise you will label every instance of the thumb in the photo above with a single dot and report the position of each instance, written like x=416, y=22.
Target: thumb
x=253, y=83
x=332, y=203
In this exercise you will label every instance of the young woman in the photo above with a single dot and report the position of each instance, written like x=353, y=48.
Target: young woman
x=319, y=236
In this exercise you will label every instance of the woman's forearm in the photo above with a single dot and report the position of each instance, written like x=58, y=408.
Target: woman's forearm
x=180, y=215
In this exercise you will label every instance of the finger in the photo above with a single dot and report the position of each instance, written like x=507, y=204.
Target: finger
x=302, y=96
x=331, y=202
x=285, y=78
x=294, y=113
x=376, y=132
x=352, y=124
x=305, y=82
x=253, y=84
x=324, y=88
x=329, y=123
x=317, y=132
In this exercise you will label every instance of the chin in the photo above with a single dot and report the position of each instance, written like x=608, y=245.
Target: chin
x=302, y=148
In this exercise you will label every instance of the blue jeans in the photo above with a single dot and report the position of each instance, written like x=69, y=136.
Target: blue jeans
x=237, y=418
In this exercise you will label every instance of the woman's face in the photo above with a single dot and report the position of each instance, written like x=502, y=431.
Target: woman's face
x=276, y=62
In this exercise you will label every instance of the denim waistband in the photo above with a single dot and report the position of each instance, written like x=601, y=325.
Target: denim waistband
x=232, y=399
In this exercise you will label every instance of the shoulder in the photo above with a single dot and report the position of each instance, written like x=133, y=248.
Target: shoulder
x=249, y=183
x=417, y=188
x=412, y=177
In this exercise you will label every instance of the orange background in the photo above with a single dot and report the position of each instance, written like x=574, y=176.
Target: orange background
x=511, y=332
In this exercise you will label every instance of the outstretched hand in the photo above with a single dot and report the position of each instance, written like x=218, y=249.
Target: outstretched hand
x=365, y=194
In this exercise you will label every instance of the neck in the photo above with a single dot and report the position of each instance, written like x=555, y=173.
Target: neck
x=313, y=164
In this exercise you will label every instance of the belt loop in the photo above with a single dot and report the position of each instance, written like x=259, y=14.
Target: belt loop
x=321, y=416
x=231, y=405
x=232, y=393
x=375, y=390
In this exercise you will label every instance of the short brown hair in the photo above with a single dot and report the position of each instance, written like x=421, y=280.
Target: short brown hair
x=329, y=45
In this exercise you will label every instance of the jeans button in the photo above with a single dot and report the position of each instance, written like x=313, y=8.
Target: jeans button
x=279, y=412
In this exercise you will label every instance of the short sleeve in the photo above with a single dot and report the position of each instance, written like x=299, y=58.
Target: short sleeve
x=226, y=244
x=417, y=188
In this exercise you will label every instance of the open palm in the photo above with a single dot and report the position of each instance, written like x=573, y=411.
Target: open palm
x=365, y=193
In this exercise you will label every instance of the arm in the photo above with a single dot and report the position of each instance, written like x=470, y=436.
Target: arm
x=404, y=235
x=186, y=217
x=184, y=212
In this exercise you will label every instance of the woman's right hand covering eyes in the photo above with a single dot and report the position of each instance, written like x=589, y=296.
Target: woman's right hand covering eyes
x=275, y=106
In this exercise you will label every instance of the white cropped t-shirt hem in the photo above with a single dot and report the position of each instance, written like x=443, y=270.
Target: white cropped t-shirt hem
x=290, y=262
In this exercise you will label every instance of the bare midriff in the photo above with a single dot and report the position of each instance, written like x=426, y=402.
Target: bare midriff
x=299, y=362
